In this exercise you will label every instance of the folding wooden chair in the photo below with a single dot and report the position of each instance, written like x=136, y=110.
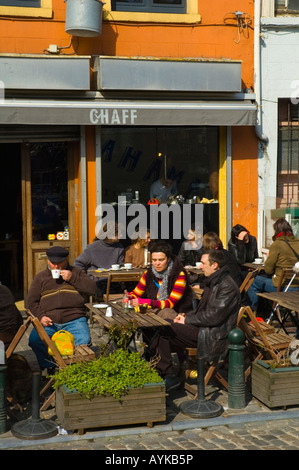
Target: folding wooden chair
x=248, y=281
x=211, y=371
x=81, y=353
x=122, y=278
x=262, y=336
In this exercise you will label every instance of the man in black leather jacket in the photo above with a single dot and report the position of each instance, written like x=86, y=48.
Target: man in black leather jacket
x=207, y=327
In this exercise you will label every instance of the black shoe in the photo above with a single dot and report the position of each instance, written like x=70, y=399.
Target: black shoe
x=172, y=382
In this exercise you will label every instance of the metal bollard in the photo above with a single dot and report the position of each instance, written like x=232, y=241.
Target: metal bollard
x=236, y=376
x=3, y=367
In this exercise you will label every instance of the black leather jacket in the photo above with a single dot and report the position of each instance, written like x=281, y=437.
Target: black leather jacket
x=243, y=252
x=217, y=317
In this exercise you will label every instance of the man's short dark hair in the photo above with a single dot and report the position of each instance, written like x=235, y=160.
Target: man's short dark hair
x=215, y=256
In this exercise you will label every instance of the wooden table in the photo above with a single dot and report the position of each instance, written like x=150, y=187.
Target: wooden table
x=104, y=273
x=288, y=300
x=121, y=317
x=254, y=266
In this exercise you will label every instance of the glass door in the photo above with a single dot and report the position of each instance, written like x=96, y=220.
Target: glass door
x=47, y=194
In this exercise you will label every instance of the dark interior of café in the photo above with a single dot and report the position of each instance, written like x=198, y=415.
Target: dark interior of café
x=11, y=246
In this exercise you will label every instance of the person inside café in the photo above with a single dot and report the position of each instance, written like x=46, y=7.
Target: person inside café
x=137, y=252
x=59, y=303
x=211, y=241
x=242, y=246
x=191, y=249
x=163, y=188
x=10, y=316
x=164, y=285
x=205, y=327
x=282, y=254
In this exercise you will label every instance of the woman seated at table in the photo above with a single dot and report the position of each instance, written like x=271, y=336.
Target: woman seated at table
x=191, y=249
x=281, y=255
x=211, y=241
x=164, y=285
x=242, y=246
x=137, y=252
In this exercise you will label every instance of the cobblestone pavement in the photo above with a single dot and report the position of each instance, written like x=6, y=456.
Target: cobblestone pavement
x=269, y=435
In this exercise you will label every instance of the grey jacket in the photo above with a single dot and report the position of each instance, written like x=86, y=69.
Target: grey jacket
x=100, y=254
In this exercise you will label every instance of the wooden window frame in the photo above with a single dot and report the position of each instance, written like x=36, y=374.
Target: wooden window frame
x=148, y=6
x=190, y=17
x=44, y=11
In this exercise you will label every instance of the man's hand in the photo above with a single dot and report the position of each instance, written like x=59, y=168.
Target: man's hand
x=180, y=318
x=66, y=274
x=46, y=321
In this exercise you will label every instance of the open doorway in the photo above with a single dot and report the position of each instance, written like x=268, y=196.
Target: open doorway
x=11, y=229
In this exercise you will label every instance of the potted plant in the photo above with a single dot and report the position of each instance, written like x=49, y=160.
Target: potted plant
x=120, y=388
x=275, y=383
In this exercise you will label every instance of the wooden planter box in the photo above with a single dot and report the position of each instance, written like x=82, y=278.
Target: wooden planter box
x=275, y=387
x=139, y=405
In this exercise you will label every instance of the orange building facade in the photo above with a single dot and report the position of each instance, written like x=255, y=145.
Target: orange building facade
x=86, y=114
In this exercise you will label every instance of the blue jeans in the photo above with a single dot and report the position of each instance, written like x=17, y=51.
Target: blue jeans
x=259, y=285
x=78, y=328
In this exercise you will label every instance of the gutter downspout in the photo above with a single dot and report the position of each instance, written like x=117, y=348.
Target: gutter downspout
x=257, y=72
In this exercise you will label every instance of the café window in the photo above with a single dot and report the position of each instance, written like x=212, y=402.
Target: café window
x=49, y=190
x=136, y=157
x=21, y=3
x=283, y=7
x=288, y=154
x=152, y=6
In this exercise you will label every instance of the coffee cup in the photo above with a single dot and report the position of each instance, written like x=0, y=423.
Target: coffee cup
x=55, y=273
x=198, y=264
x=115, y=267
x=109, y=312
x=258, y=260
x=128, y=265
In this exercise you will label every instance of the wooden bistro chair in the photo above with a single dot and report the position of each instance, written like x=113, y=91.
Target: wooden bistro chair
x=262, y=337
x=81, y=353
x=212, y=370
x=122, y=278
x=248, y=281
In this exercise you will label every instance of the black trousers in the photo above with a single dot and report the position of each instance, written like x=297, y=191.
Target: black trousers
x=173, y=338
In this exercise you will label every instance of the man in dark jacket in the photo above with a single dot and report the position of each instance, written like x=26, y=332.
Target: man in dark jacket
x=208, y=326
x=59, y=303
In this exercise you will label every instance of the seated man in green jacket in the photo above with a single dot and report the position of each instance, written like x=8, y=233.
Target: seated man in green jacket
x=59, y=303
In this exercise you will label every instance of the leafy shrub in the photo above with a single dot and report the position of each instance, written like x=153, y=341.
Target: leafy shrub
x=108, y=375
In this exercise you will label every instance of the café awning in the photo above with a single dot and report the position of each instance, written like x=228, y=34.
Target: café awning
x=128, y=112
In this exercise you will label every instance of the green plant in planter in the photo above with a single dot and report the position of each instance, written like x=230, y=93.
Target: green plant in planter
x=107, y=375
x=122, y=335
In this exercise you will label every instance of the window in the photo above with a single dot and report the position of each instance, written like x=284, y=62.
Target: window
x=32, y=8
x=286, y=7
x=21, y=3
x=288, y=154
x=155, y=6
x=178, y=11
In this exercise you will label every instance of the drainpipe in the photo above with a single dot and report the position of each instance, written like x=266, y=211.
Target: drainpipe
x=257, y=72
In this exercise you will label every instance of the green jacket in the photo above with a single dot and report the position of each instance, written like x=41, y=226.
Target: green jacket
x=281, y=256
